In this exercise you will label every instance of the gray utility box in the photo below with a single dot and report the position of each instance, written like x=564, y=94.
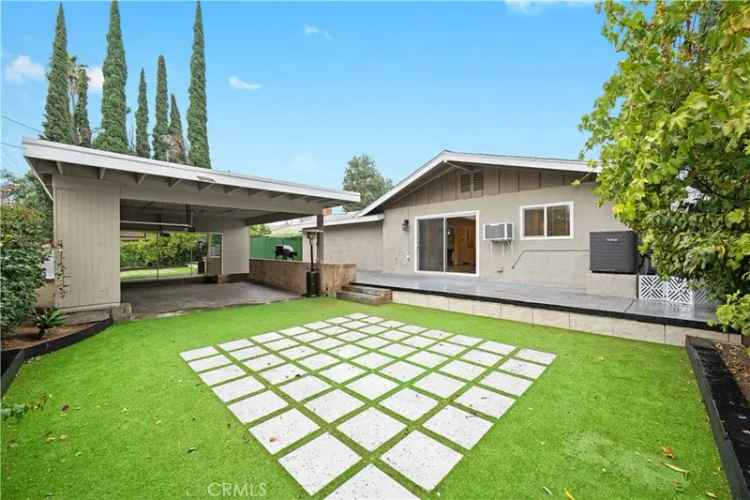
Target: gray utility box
x=613, y=252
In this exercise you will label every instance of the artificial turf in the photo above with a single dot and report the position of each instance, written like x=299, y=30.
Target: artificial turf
x=127, y=417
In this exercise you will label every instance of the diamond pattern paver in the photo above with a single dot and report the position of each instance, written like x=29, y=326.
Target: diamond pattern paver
x=459, y=426
x=371, y=428
x=263, y=362
x=379, y=358
x=522, y=368
x=258, y=406
x=235, y=344
x=409, y=403
x=198, y=353
x=283, y=430
x=342, y=373
x=422, y=459
x=319, y=462
x=304, y=387
x=402, y=371
x=543, y=358
x=204, y=364
x=440, y=385
x=484, y=401
x=334, y=405
x=461, y=369
x=371, y=484
x=237, y=388
x=372, y=386
x=506, y=383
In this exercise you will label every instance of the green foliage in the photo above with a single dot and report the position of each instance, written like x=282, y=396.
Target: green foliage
x=260, y=230
x=197, y=116
x=161, y=128
x=113, y=136
x=21, y=257
x=673, y=134
x=362, y=176
x=17, y=411
x=81, y=113
x=26, y=191
x=142, y=148
x=58, y=123
x=176, y=138
x=165, y=250
x=46, y=319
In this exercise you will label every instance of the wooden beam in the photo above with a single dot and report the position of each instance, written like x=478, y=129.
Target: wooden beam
x=102, y=171
x=59, y=167
x=229, y=189
x=202, y=186
x=173, y=182
x=293, y=196
x=273, y=195
x=139, y=178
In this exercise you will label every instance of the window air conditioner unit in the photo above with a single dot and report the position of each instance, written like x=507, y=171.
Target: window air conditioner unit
x=498, y=232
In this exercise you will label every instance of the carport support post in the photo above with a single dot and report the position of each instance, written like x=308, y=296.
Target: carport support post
x=320, y=244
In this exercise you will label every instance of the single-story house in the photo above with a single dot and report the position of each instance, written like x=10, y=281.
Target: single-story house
x=495, y=217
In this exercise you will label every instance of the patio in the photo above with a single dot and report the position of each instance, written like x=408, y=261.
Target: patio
x=125, y=404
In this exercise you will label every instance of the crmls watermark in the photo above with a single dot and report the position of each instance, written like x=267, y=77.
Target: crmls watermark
x=226, y=489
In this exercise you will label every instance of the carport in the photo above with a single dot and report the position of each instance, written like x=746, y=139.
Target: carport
x=96, y=194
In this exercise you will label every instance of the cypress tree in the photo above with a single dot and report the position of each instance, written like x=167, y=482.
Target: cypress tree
x=114, y=136
x=197, y=116
x=177, y=140
x=81, y=114
x=58, y=124
x=161, y=128
x=142, y=147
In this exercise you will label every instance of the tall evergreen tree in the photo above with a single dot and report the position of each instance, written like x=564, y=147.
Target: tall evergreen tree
x=197, y=116
x=81, y=114
x=161, y=128
x=142, y=147
x=177, y=140
x=114, y=136
x=58, y=124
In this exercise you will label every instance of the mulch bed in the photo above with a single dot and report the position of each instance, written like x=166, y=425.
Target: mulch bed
x=738, y=363
x=26, y=335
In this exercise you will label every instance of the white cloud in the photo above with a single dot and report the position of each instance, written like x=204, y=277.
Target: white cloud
x=23, y=69
x=96, y=78
x=312, y=30
x=238, y=84
x=532, y=7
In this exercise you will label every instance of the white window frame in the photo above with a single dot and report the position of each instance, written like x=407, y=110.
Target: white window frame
x=477, y=238
x=544, y=206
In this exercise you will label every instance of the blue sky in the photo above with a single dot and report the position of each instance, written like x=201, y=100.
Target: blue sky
x=294, y=90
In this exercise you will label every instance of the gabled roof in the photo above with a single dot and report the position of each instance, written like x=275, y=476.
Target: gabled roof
x=489, y=160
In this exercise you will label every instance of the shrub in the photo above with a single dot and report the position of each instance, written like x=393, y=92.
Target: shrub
x=46, y=319
x=21, y=257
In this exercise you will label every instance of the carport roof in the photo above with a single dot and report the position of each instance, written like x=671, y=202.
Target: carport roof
x=40, y=152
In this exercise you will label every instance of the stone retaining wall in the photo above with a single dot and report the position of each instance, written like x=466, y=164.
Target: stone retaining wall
x=291, y=275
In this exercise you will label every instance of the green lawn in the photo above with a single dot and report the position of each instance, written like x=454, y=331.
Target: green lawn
x=141, y=424
x=165, y=272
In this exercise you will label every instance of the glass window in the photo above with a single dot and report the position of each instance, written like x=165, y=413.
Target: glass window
x=558, y=220
x=431, y=249
x=478, y=181
x=533, y=221
x=465, y=183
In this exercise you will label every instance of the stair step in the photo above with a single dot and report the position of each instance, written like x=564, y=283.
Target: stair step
x=362, y=298
x=369, y=290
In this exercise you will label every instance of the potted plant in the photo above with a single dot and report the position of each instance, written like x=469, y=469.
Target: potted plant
x=46, y=319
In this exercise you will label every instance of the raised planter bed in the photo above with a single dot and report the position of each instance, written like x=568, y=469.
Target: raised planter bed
x=15, y=355
x=728, y=412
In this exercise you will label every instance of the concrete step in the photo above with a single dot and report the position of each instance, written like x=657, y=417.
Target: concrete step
x=363, y=298
x=369, y=290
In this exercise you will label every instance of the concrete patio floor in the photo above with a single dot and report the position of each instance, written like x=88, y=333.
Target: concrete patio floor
x=149, y=299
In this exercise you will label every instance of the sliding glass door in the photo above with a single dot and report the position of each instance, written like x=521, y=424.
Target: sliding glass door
x=447, y=244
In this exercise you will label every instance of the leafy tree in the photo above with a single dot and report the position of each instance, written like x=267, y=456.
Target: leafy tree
x=113, y=136
x=260, y=230
x=165, y=250
x=58, y=123
x=177, y=139
x=21, y=257
x=197, y=116
x=672, y=131
x=161, y=128
x=362, y=176
x=141, y=120
x=26, y=191
x=81, y=115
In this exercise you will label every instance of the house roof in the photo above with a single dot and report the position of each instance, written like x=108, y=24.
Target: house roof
x=345, y=219
x=489, y=160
